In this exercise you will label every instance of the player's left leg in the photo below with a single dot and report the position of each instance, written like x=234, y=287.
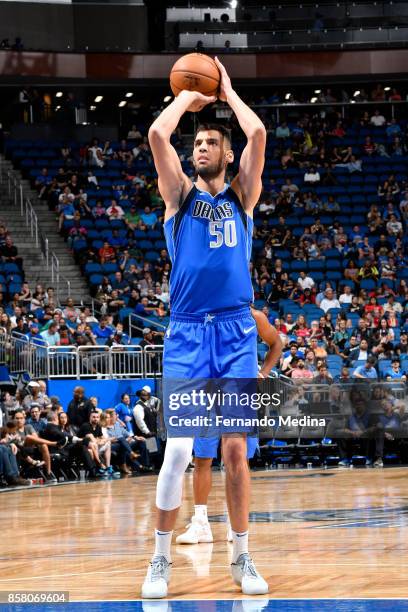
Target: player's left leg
x=235, y=357
x=238, y=484
x=252, y=446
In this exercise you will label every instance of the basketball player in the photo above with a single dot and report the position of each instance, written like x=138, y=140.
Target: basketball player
x=208, y=228
x=205, y=449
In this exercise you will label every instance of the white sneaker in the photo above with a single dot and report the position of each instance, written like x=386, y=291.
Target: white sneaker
x=229, y=533
x=198, y=531
x=157, y=578
x=245, y=575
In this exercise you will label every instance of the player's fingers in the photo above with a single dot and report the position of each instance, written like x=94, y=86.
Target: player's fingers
x=208, y=99
x=220, y=66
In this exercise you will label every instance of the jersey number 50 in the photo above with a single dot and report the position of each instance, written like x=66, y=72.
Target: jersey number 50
x=224, y=232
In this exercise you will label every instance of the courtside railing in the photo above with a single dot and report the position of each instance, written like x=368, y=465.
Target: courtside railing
x=42, y=361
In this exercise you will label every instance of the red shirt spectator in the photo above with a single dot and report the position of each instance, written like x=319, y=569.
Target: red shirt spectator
x=106, y=253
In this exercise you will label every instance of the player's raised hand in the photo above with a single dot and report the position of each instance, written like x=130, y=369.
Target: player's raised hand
x=225, y=83
x=197, y=101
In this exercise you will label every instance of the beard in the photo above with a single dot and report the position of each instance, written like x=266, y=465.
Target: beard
x=209, y=171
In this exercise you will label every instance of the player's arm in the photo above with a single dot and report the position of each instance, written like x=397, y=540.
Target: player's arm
x=269, y=335
x=247, y=183
x=173, y=183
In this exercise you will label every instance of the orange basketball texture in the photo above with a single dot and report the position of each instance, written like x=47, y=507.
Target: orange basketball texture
x=195, y=72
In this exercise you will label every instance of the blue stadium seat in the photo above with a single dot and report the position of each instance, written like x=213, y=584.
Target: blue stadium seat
x=109, y=268
x=14, y=288
x=151, y=255
x=11, y=268
x=368, y=284
x=93, y=268
x=96, y=279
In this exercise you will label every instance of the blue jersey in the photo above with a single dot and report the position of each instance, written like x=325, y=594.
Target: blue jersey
x=209, y=241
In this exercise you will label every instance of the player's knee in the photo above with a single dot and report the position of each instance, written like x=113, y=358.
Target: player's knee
x=234, y=453
x=176, y=458
x=202, y=465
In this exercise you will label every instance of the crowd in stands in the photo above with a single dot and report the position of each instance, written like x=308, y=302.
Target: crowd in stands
x=39, y=436
x=329, y=251
x=378, y=94
x=329, y=246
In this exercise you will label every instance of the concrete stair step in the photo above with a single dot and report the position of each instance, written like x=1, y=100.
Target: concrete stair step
x=48, y=226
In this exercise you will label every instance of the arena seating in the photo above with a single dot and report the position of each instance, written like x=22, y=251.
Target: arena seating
x=133, y=183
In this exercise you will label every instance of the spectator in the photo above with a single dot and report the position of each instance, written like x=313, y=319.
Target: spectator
x=114, y=211
x=389, y=428
x=366, y=371
x=129, y=446
x=134, y=133
x=282, y=131
x=377, y=119
x=96, y=155
x=395, y=372
x=9, y=252
x=227, y=47
x=146, y=413
x=299, y=372
x=359, y=353
x=29, y=443
x=97, y=444
x=51, y=335
x=148, y=217
x=103, y=330
x=346, y=297
x=305, y=281
x=392, y=306
x=106, y=253
x=124, y=412
x=37, y=422
x=359, y=428
x=323, y=377
x=329, y=301
x=311, y=177
x=289, y=359
x=132, y=218
x=8, y=463
x=79, y=408
x=394, y=226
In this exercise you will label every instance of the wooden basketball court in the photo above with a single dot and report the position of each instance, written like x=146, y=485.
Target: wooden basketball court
x=314, y=534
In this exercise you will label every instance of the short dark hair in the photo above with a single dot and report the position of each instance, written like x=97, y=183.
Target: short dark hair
x=216, y=127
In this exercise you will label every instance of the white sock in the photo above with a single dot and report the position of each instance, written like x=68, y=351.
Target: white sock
x=239, y=544
x=163, y=544
x=200, y=511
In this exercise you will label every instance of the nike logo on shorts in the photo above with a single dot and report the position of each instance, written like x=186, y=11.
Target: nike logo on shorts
x=248, y=329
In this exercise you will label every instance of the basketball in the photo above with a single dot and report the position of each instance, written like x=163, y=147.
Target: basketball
x=195, y=72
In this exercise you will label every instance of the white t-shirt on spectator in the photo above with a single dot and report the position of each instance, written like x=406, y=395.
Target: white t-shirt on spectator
x=306, y=283
x=378, y=120
x=265, y=207
x=95, y=154
x=393, y=227
x=311, y=177
x=66, y=196
x=395, y=307
x=326, y=304
x=346, y=298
